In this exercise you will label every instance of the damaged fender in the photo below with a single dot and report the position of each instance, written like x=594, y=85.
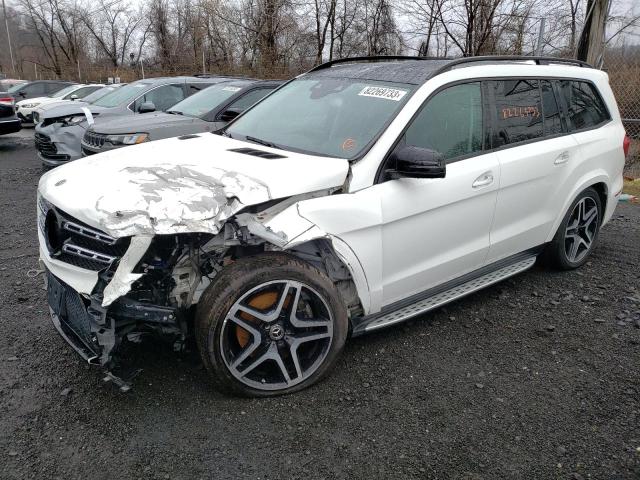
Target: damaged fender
x=289, y=229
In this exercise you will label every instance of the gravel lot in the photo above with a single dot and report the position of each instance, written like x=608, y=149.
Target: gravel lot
x=537, y=377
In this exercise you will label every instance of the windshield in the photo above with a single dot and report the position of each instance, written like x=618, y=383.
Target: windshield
x=326, y=116
x=201, y=103
x=63, y=91
x=92, y=97
x=17, y=87
x=122, y=95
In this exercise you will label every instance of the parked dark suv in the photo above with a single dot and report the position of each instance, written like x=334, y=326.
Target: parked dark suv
x=9, y=122
x=39, y=88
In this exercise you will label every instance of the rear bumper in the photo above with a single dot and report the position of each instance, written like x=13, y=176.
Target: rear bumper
x=10, y=126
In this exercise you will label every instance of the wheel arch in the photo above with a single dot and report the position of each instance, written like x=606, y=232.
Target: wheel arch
x=338, y=261
x=599, y=182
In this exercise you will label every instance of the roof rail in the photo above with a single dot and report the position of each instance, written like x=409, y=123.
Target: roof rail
x=510, y=58
x=456, y=62
x=373, y=58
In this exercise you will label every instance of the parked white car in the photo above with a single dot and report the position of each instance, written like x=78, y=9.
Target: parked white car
x=355, y=197
x=26, y=107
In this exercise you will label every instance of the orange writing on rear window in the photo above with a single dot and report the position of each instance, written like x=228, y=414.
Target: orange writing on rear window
x=511, y=112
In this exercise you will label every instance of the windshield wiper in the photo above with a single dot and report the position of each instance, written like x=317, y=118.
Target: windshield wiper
x=266, y=143
x=175, y=112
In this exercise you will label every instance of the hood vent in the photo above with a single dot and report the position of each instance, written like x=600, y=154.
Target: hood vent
x=257, y=153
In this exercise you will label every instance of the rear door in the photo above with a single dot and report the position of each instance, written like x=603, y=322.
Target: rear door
x=535, y=153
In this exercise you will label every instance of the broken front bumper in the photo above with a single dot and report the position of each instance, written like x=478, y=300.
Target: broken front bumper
x=96, y=332
x=72, y=319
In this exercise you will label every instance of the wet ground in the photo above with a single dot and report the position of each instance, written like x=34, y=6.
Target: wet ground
x=535, y=378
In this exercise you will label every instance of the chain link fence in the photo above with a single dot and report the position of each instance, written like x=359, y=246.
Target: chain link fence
x=623, y=67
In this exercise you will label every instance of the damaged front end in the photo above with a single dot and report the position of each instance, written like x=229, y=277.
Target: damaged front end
x=130, y=241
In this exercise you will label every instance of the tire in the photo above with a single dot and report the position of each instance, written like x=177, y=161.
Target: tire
x=246, y=317
x=559, y=253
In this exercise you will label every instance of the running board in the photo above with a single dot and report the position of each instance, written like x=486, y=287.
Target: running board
x=444, y=294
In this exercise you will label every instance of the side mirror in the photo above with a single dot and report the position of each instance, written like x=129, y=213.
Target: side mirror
x=22, y=94
x=74, y=97
x=147, y=107
x=228, y=115
x=417, y=162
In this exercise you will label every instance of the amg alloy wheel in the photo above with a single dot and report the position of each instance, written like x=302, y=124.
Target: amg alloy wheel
x=581, y=229
x=270, y=324
x=276, y=335
x=577, y=234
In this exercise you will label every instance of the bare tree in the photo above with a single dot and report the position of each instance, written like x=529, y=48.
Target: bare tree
x=112, y=25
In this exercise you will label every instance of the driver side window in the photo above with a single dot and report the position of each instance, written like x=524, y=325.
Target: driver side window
x=450, y=122
x=163, y=97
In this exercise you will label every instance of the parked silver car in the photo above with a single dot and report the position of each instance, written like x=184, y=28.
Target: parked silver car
x=206, y=111
x=60, y=131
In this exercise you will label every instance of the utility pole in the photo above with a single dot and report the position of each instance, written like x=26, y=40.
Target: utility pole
x=591, y=44
x=6, y=24
x=540, y=37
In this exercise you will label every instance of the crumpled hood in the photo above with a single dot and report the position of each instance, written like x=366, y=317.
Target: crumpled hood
x=47, y=107
x=71, y=108
x=182, y=185
x=143, y=123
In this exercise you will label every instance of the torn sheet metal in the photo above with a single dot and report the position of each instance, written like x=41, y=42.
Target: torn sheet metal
x=122, y=280
x=181, y=186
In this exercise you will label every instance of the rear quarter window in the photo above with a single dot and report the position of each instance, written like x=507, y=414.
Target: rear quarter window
x=584, y=105
x=517, y=111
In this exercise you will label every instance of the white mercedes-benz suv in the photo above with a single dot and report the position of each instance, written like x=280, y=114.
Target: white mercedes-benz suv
x=358, y=195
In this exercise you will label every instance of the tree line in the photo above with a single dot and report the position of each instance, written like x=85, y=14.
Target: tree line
x=71, y=38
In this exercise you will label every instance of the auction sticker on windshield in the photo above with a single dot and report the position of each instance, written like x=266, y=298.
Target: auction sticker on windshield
x=383, y=92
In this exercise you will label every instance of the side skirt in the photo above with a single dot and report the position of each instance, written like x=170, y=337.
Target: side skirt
x=445, y=293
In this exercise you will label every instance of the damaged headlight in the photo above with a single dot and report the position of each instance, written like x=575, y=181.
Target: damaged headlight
x=73, y=120
x=130, y=139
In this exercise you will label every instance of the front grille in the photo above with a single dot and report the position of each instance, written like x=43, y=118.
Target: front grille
x=93, y=139
x=47, y=148
x=71, y=241
x=75, y=321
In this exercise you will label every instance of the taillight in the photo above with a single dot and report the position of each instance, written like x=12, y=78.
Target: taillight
x=626, y=143
x=6, y=101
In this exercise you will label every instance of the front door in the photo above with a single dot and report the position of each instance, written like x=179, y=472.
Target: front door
x=434, y=230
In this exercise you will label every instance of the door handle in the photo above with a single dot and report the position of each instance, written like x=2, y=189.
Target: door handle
x=483, y=180
x=562, y=158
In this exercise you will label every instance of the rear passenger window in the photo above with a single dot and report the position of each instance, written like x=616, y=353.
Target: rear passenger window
x=518, y=111
x=450, y=123
x=550, y=110
x=585, y=108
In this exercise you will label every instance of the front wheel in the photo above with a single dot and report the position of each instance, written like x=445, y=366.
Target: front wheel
x=270, y=324
x=576, y=236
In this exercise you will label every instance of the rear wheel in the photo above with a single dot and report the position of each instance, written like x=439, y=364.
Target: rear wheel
x=576, y=236
x=269, y=325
